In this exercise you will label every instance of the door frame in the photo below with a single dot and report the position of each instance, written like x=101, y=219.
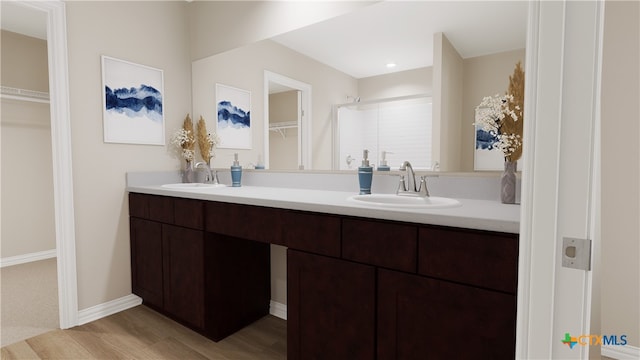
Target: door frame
x=569, y=42
x=304, y=116
x=62, y=157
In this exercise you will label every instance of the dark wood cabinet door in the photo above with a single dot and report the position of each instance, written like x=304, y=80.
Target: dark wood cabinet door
x=146, y=261
x=183, y=274
x=425, y=318
x=238, y=287
x=330, y=308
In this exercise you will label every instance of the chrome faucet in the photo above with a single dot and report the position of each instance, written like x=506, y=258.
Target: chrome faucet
x=211, y=177
x=408, y=187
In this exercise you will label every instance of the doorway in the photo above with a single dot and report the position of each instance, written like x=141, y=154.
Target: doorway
x=287, y=124
x=28, y=232
x=60, y=153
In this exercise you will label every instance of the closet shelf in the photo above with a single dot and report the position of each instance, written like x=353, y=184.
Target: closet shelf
x=281, y=127
x=8, y=92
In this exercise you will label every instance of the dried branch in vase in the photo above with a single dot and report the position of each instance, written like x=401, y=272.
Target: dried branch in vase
x=515, y=126
x=206, y=141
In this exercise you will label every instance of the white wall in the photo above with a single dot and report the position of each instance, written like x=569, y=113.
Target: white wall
x=27, y=172
x=620, y=286
x=148, y=33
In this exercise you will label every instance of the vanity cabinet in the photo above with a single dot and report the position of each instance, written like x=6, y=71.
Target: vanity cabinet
x=425, y=318
x=330, y=308
x=357, y=288
x=183, y=274
x=146, y=261
x=213, y=283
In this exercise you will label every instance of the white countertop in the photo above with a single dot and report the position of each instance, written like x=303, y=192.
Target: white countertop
x=473, y=214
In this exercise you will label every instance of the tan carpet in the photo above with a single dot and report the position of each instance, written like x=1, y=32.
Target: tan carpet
x=29, y=297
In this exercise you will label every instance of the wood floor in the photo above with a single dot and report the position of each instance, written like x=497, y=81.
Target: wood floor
x=141, y=333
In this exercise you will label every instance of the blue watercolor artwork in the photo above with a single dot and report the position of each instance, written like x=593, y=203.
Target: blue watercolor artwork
x=141, y=101
x=485, y=140
x=233, y=108
x=133, y=110
x=487, y=156
x=230, y=115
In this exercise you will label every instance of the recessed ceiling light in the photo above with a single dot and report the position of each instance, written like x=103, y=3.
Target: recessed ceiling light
x=391, y=65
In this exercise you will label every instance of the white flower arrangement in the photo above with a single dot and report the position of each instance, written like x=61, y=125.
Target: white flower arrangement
x=213, y=140
x=497, y=116
x=182, y=140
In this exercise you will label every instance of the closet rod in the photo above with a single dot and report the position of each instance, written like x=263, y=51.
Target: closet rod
x=7, y=92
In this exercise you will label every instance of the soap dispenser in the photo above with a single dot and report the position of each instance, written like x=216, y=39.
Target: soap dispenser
x=236, y=172
x=383, y=162
x=365, y=174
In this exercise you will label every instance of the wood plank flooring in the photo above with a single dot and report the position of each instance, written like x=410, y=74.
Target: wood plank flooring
x=141, y=333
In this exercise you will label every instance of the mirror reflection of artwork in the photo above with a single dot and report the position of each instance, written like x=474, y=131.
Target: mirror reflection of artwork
x=132, y=103
x=234, y=117
x=487, y=155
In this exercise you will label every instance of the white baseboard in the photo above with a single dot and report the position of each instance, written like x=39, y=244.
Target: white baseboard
x=26, y=258
x=620, y=352
x=278, y=309
x=109, y=308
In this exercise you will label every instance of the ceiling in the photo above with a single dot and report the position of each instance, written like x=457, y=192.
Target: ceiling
x=361, y=43
x=24, y=20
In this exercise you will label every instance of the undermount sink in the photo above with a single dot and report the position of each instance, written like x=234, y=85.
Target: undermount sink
x=192, y=186
x=408, y=202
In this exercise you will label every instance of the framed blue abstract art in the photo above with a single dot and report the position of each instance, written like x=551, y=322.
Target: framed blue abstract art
x=132, y=103
x=486, y=155
x=233, y=117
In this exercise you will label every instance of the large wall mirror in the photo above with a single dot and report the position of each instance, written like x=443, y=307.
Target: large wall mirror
x=454, y=53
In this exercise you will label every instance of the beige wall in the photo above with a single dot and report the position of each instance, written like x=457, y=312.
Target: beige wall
x=149, y=33
x=620, y=209
x=24, y=62
x=403, y=83
x=27, y=171
x=236, y=23
x=483, y=76
x=283, y=147
x=244, y=68
x=447, y=103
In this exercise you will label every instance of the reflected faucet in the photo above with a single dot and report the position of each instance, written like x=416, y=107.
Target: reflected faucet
x=408, y=187
x=211, y=177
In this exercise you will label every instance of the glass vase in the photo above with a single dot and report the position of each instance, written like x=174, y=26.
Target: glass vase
x=508, y=183
x=188, y=176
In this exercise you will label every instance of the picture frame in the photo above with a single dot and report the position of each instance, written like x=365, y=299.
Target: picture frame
x=233, y=117
x=486, y=156
x=132, y=103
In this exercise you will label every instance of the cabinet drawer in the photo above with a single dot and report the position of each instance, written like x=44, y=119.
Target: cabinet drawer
x=160, y=208
x=315, y=233
x=383, y=244
x=484, y=259
x=138, y=205
x=151, y=207
x=244, y=221
x=188, y=213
